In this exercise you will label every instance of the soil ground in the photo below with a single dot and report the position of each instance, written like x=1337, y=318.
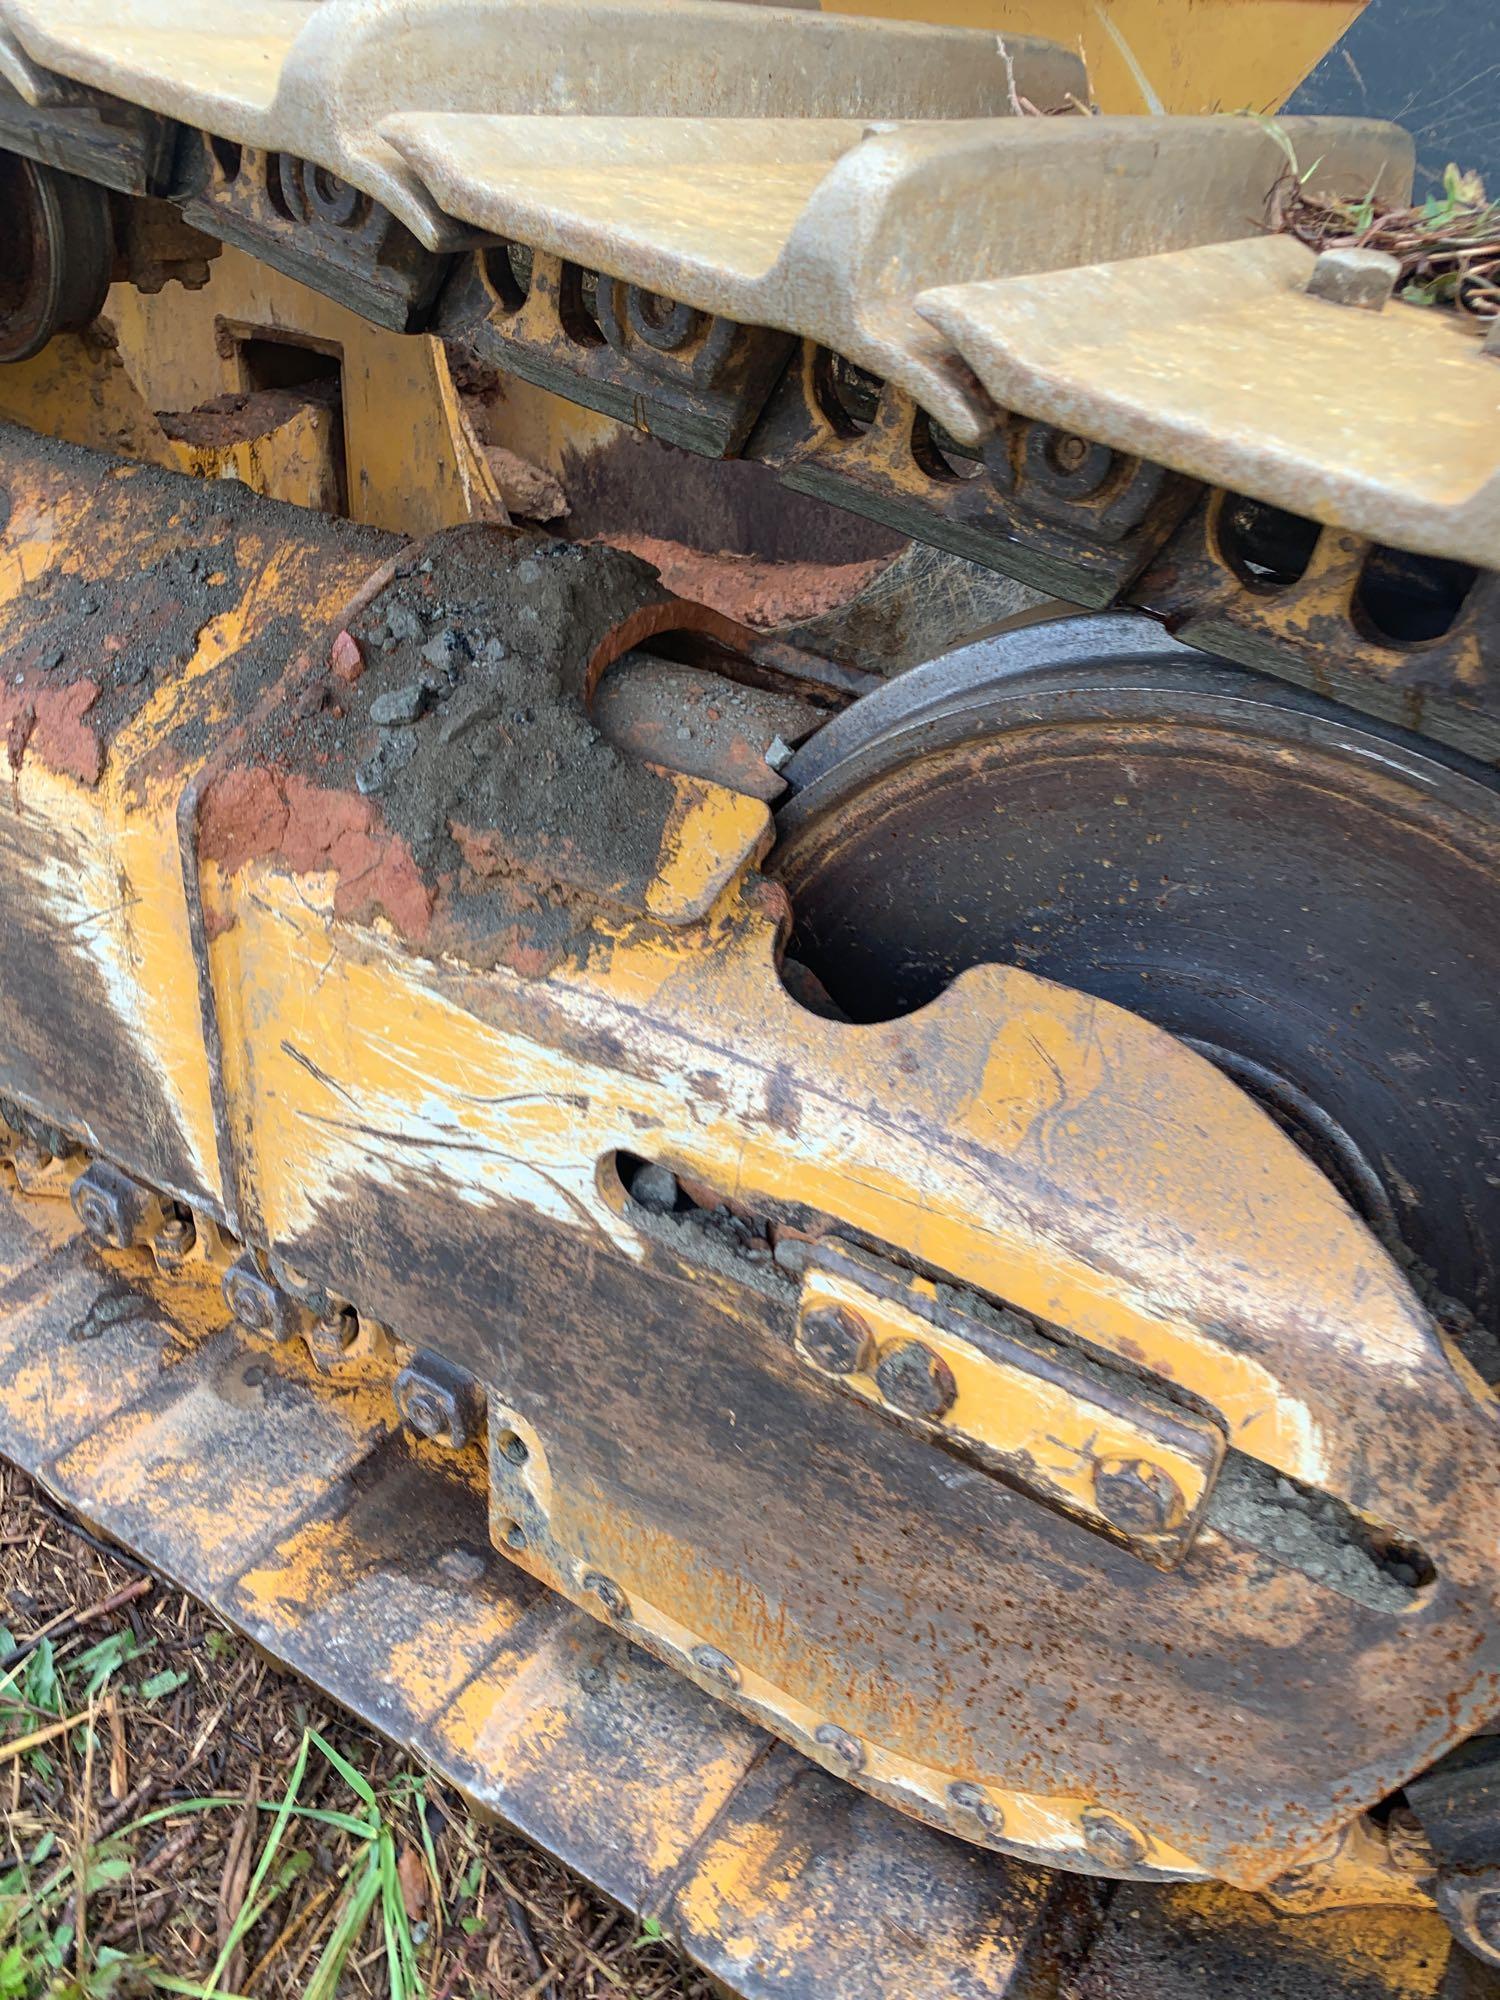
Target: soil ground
x=178, y=1815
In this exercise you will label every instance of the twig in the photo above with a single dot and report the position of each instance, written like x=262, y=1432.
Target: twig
x=520, y=1923
x=71, y=1621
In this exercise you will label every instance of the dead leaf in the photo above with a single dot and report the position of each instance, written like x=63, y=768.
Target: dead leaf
x=411, y=1873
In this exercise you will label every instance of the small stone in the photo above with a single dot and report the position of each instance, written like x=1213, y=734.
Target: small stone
x=493, y=651
x=791, y=1253
x=779, y=754
x=393, y=753
x=1361, y=278
x=311, y=700
x=655, y=1187
x=398, y=706
x=446, y=654
x=88, y=604
x=52, y=657
x=403, y=623
x=346, y=659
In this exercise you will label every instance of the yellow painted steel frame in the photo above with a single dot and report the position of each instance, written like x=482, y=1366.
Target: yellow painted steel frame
x=233, y=1030
x=1161, y=55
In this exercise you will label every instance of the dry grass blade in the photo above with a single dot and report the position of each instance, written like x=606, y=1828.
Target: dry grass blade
x=249, y=1814
x=235, y=1881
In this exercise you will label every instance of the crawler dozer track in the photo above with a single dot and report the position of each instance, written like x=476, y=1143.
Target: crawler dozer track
x=935, y=1256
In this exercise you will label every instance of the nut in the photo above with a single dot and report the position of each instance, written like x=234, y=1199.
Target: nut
x=915, y=1380
x=1136, y=1496
x=331, y=1335
x=438, y=1400
x=836, y=1339
x=116, y=1211
x=174, y=1242
x=257, y=1302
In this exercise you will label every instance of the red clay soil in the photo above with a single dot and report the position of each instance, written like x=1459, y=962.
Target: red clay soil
x=757, y=593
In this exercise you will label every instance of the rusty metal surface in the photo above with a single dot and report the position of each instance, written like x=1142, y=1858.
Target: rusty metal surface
x=117, y=1384
x=1169, y=357
x=1061, y=514
x=498, y=1023
x=685, y=376
x=831, y=232
x=1414, y=643
x=319, y=82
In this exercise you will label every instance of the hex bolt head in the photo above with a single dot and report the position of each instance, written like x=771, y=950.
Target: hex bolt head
x=332, y=1334
x=915, y=1381
x=173, y=1243
x=844, y=1748
x=116, y=1212
x=718, y=1666
x=1113, y=1843
x=836, y=1339
x=1136, y=1496
x=437, y=1400
x=607, y=1593
x=973, y=1804
x=257, y=1302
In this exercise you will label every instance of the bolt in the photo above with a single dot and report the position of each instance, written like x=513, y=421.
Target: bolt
x=463, y=1564
x=1069, y=452
x=847, y=1749
x=513, y=1535
x=259, y=1305
x=836, y=1339
x=973, y=1802
x=426, y=1409
x=332, y=1334
x=436, y=1400
x=116, y=1211
x=608, y=1593
x=718, y=1666
x=1136, y=1496
x=173, y=1243
x=915, y=1380
x=1487, y=1918
x=1112, y=1842
x=1363, y=278
x=513, y=1447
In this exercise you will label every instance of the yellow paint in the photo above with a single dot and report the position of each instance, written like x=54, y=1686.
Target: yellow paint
x=295, y=459
x=1205, y=1191
x=711, y=833
x=1055, y=1437
x=412, y=462
x=1160, y=55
